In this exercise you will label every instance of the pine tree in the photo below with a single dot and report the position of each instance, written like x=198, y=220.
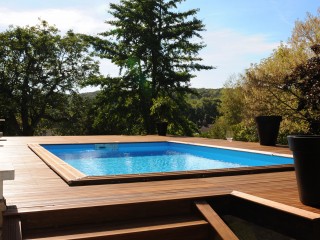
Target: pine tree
x=154, y=45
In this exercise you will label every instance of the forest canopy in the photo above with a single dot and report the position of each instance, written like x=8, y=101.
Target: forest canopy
x=156, y=48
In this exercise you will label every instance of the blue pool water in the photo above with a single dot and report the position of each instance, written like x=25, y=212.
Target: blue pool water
x=138, y=158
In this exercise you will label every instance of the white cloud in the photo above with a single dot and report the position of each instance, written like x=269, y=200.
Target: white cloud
x=231, y=52
x=64, y=19
x=81, y=21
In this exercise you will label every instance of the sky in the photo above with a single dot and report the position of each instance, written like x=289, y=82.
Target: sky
x=238, y=32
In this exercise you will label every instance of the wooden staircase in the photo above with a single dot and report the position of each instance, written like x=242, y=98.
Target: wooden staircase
x=172, y=220
x=158, y=228
x=183, y=219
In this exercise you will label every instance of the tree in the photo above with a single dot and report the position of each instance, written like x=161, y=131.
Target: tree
x=279, y=84
x=232, y=113
x=304, y=84
x=73, y=121
x=117, y=110
x=263, y=82
x=37, y=67
x=204, y=110
x=232, y=101
x=154, y=46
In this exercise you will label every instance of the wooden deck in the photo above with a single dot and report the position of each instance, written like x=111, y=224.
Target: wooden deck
x=37, y=189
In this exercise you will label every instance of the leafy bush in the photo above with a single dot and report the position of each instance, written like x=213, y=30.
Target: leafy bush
x=245, y=131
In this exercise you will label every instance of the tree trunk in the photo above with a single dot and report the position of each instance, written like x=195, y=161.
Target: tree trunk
x=28, y=131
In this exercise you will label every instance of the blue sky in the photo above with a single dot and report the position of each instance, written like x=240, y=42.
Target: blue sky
x=239, y=32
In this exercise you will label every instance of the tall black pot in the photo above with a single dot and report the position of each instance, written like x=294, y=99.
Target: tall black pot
x=268, y=129
x=306, y=154
x=162, y=128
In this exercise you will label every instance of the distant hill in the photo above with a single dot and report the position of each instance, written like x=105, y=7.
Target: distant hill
x=89, y=94
x=207, y=93
x=203, y=92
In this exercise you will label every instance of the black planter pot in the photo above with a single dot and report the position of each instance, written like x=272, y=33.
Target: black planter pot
x=306, y=154
x=162, y=128
x=268, y=129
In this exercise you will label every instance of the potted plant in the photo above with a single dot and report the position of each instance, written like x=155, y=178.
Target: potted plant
x=305, y=82
x=306, y=154
x=268, y=129
x=161, y=109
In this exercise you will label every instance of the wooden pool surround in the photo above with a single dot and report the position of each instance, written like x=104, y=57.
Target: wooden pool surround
x=74, y=177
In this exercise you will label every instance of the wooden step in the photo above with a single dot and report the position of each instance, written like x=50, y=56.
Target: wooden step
x=174, y=228
x=59, y=218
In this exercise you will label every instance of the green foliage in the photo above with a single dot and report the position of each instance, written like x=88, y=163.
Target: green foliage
x=76, y=117
x=204, y=105
x=203, y=111
x=245, y=131
x=154, y=46
x=286, y=83
x=231, y=112
x=217, y=130
x=232, y=101
x=205, y=93
x=118, y=111
x=304, y=84
x=289, y=127
x=163, y=108
x=37, y=66
x=264, y=84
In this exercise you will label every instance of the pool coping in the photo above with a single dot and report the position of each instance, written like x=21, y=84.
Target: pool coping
x=74, y=177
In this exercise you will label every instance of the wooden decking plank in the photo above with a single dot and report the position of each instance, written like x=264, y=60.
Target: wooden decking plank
x=276, y=205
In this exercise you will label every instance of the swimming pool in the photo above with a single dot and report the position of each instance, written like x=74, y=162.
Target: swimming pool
x=116, y=160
